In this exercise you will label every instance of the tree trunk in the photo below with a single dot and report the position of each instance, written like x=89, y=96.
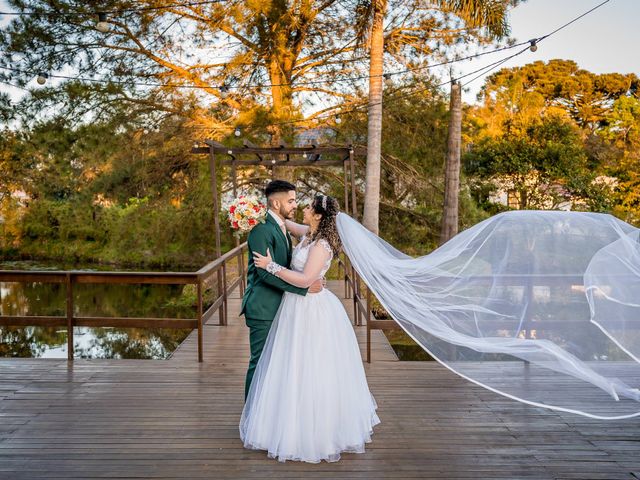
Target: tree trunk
x=374, y=135
x=452, y=168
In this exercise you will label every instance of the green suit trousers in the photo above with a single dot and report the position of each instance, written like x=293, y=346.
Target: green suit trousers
x=258, y=331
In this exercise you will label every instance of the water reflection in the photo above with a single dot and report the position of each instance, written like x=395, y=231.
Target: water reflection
x=134, y=300
x=45, y=342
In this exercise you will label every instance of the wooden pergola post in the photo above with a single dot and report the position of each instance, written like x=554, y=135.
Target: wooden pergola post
x=216, y=223
x=354, y=205
x=214, y=191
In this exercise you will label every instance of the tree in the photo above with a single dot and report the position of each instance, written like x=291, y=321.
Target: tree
x=483, y=19
x=374, y=136
x=227, y=50
x=452, y=166
x=623, y=132
x=513, y=96
x=545, y=167
x=411, y=174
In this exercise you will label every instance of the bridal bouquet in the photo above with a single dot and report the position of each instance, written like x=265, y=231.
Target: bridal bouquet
x=245, y=212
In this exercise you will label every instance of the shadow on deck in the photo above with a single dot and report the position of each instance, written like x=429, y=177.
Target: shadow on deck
x=178, y=418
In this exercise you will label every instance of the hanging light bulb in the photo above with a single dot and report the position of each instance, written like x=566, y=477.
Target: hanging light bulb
x=230, y=152
x=273, y=161
x=224, y=91
x=338, y=120
x=304, y=155
x=237, y=132
x=42, y=78
x=102, y=25
x=387, y=80
x=534, y=45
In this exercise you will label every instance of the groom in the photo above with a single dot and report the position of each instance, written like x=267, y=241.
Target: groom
x=264, y=290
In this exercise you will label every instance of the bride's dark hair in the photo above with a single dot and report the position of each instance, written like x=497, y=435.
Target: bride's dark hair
x=327, y=228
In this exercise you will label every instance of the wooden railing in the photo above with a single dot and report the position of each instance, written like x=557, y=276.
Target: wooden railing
x=201, y=279
x=356, y=288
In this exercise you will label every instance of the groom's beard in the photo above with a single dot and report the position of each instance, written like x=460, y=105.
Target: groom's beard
x=288, y=215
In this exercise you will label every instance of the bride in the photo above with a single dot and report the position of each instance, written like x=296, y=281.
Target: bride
x=309, y=399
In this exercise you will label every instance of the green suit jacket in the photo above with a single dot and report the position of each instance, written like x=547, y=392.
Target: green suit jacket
x=264, y=291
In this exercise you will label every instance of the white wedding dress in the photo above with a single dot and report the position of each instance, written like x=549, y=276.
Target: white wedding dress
x=309, y=399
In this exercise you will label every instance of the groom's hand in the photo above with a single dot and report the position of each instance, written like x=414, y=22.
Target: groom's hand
x=318, y=285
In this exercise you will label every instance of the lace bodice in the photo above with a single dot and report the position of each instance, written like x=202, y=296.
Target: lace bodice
x=300, y=254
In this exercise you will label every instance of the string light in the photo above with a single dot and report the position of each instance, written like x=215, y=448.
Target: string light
x=224, y=89
x=237, y=132
x=102, y=25
x=112, y=12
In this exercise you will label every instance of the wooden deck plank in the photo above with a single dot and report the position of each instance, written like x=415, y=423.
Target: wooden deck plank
x=178, y=418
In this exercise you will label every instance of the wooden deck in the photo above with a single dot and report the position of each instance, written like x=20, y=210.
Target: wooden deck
x=179, y=419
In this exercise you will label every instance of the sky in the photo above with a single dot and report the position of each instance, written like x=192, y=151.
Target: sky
x=604, y=41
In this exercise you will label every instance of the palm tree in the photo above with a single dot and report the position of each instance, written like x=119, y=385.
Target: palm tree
x=489, y=15
x=374, y=127
x=452, y=166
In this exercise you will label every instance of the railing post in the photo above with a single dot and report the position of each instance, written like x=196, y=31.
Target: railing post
x=69, y=317
x=241, y=272
x=225, y=305
x=200, y=326
x=356, y=311
x=347, y=287
x=221, y=308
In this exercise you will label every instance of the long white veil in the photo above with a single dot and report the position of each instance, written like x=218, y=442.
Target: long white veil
x=540, y=306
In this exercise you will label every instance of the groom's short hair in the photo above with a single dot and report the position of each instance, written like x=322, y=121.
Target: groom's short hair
x=276, y=186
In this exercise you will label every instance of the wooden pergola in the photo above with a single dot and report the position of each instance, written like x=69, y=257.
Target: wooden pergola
x=279, y=156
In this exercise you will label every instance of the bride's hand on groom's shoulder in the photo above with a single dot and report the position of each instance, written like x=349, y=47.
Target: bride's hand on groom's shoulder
x=261, y=261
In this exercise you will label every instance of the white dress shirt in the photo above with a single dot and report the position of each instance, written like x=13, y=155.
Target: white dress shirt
x=283, y=227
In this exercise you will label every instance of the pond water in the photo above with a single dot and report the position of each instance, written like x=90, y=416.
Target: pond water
x=405, y=347
x=132, y=300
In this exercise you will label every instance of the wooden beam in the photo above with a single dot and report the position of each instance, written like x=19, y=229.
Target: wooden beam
x=213, y=143
x=292, y=163
x=342, y=151
x=248, y=144
x=252, y=149
x=32, y=320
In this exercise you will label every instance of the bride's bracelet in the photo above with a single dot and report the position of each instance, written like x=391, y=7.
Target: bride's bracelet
x=274, y=268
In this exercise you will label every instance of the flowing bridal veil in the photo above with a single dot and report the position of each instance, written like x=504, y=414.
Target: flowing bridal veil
x=540, y=306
